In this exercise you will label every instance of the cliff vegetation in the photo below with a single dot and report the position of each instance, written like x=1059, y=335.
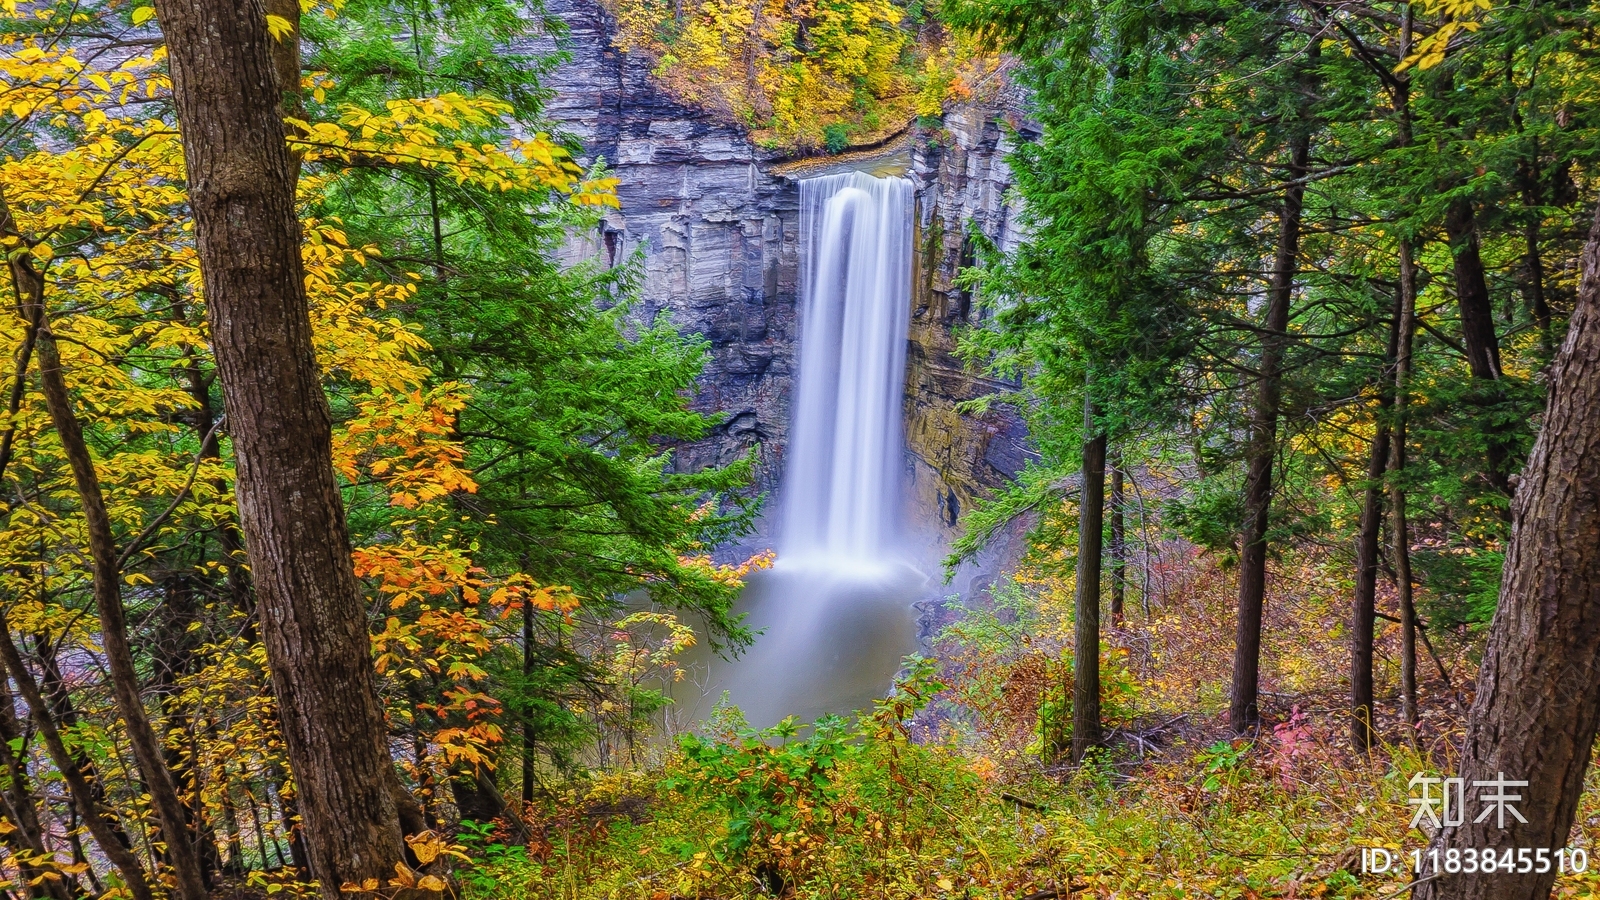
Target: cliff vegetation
x=805, y=75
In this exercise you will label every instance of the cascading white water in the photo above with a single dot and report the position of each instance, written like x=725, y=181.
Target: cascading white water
x=834, y=615
x=840, y=485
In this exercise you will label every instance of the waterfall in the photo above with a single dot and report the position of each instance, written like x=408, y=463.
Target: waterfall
x=834, y=616
x=840, y=485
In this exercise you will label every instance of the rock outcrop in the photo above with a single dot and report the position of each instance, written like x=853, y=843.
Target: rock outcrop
x=715, y=220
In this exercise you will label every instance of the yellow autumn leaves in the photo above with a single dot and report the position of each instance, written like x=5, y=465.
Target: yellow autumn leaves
x=1460, y=18
x=428, y=848
x=418, y=133
x=800, y=73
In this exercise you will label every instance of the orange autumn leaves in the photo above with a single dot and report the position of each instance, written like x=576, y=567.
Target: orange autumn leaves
x=442, y=609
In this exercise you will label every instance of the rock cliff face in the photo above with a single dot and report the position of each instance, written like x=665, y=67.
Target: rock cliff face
x=962, y=183
x=717, y=232
x=715, y=220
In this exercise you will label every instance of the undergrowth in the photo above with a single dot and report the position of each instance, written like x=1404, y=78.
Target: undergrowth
x=1221, y=820
x=942, y=791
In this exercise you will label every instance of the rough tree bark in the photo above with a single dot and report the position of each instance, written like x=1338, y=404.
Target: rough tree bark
x=1243, y=712
x=241, y=188
x=1538, y=695
x=1472, y=292
x=1400, y=535
x=1405, y=330
x=1086, y=605
x=1478, y=336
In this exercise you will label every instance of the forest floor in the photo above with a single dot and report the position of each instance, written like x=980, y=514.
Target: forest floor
x=940, y=792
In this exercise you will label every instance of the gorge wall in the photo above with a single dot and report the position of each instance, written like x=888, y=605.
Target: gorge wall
x=715, y=220
x=962, y=183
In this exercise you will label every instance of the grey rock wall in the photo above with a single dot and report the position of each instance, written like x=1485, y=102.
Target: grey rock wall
x=963, y=182
x=717, y=232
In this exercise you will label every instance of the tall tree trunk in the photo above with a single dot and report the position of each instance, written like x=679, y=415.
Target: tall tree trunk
x=1086, y=732
x=106, y=580
x=241, y=188
x=1364, y=607
x=1405, y=331
x=1472, y=292
x=1538, y=695
x=1532, y=259
x=529, y=775
x=1477, y=330
x=97, y=820
x=1119, y=544
x=1400, y=533
x=1243, y=711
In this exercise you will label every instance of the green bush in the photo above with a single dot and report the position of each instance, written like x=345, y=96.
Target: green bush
x=836, y=137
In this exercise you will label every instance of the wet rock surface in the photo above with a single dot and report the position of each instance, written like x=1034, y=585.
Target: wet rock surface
x=953, y=458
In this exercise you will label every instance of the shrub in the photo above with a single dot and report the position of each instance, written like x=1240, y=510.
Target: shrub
x=776, y=791
x=836, y=137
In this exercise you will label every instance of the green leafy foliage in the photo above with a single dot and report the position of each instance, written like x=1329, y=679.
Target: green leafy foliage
x=576, y=398
x=1221, y=764
x=836, y=137
x=1155, y=195
x=951, y=815
x=772, y=785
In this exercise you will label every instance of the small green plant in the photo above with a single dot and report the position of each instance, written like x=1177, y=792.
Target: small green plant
x=775, y=789
x=1119, y=689
x=836, y=137
x=490, y=858
x=1221, y=763
x=888, y=729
